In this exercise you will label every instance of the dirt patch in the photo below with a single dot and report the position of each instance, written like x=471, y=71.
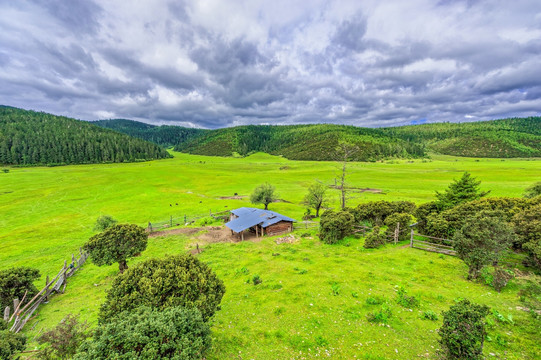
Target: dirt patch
x=215, y=234
x=289, y=239
x=282, y=201
x=236, y=197
x=357, y=189
x=183, y=231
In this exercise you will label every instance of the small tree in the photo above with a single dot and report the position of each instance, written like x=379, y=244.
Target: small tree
x=104, y=222
x=10, y=343
x=344, y=152
x=533, y=191
x=482, y=241
x=147, y=333
x=334, y=226
x=316, y=196
x=116, y=245
x=180, y=280
x=463, y=331
x=63, y=340
x=263, y=194
x=460, y=191
x=15, y=282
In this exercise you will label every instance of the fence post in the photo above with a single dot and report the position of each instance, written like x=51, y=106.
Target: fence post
x=6, y=314
x=171, y=221
x=185, y=220
x=411, y=238
x=46, y=283
x=149, y=226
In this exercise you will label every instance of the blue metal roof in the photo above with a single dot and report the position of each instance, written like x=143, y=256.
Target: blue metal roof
x=248, y=217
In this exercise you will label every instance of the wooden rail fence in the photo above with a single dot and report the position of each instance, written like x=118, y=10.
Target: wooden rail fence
x=22, y=313
x=443, y=246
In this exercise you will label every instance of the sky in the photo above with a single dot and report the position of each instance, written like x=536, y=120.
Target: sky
x=211, y=64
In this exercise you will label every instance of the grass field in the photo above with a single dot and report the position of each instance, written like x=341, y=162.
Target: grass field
x=312, y=302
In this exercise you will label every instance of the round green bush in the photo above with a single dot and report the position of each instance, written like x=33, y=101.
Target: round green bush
x=180, y=280
x=375, y=239
x=14, y=283
x=334, y=226
x=463, y=331
x=144, y=333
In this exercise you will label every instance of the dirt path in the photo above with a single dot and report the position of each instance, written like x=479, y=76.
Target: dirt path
x=183, y=231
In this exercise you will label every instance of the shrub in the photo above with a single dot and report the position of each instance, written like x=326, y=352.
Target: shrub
x=527, y=226
x=335, y=226
x=374, y=300
x=481, y=242
x=532, y=191
x=14, y=283
x=404, y=219
x=375, y=239
x=405, y=300
x=335, y=288
x=500, y=278
x=383, y=315
x=463, y=330
x=104, y=222
x=63, y=340
x=10, y=343
x=116, y=244
x=5, y=170
x=256, y=280
x=146, y=333
x=429, y=315
x=375, y=212
x=421, y=214
x=180, y=280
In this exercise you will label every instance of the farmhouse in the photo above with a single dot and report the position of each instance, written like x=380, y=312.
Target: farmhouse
x=260, y=222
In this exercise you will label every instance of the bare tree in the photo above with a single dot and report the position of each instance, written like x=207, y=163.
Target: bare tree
x=344, y=153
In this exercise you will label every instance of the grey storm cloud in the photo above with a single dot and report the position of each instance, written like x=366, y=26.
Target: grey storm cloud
x=212, y=63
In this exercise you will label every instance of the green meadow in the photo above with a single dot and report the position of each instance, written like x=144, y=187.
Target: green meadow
x=314, y=298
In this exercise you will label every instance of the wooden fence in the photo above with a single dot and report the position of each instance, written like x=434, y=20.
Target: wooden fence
x=22, y=313
x=183, y=220
x=306, y=224
x=432, y=243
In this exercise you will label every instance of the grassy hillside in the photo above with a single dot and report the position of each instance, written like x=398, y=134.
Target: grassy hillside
x=301, y=142
x=32, y=138
x=164, y=135
x=491, y=139
x=313, y=299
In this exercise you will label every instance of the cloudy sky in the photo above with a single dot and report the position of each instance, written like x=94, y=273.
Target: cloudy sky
x=210, y=63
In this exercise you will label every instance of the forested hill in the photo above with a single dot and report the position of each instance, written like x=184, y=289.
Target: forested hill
x=497, y=138
x=36, y=138
x=162, y=135
x=518, y=137
x=492, y=139
x=301, y=142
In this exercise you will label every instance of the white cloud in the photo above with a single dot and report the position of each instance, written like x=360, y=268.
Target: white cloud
x=217, y=63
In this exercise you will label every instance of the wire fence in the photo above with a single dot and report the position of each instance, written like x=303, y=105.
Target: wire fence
x=185, y=220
